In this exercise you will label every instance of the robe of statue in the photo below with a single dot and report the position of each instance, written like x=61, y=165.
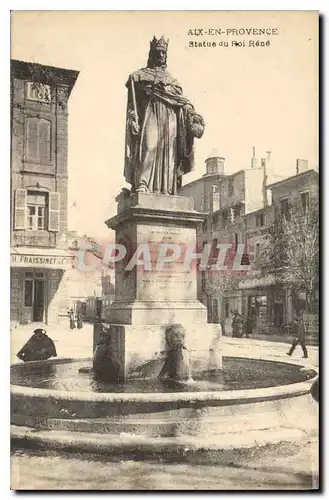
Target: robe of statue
x=161, y=151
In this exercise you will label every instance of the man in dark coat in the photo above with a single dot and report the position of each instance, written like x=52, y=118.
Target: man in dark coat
x=79, y=321
x=38, y=348
x=237, y=325
x=298, y=331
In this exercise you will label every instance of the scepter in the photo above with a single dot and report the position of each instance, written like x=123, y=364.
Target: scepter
x=134, y=100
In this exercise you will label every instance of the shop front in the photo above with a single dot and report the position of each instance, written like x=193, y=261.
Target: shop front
x=266, y=304
x=39, y=285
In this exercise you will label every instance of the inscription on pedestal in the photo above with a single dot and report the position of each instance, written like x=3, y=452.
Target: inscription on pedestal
x=166, y=280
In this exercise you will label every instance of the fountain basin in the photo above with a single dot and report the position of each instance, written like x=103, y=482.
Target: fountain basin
x=203, y=419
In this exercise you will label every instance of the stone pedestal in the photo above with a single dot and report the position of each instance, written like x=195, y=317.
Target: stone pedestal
x=150, y=294
x=147, y=294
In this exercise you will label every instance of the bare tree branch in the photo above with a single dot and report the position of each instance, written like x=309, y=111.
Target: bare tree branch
x=293, y=250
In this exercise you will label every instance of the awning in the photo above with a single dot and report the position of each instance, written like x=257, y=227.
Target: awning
x=42, y=258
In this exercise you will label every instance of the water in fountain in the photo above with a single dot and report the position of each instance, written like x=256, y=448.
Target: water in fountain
x=168, y=371
x=237, y=373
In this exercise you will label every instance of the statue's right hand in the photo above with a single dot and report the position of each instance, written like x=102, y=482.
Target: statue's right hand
x=133, y=123
x=134, y=127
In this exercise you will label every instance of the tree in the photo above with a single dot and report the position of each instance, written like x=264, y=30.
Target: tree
x=220, y=283
x=292, y=253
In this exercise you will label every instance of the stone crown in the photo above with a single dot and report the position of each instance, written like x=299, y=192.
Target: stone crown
x=159, y=44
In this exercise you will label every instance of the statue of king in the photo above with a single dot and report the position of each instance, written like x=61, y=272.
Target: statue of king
x=160, y=127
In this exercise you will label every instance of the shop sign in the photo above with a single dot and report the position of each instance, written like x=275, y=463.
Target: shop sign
x=257, y=282
x=48, y=261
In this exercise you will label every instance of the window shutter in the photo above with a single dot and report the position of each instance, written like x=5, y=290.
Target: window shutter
x=54, y=206
x=44, y=141
x=32, y=138
x=20, y=208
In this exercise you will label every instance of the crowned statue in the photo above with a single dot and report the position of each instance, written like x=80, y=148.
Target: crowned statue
x=161, y=125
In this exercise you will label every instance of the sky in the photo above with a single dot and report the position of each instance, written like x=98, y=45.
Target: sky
x=265, y=97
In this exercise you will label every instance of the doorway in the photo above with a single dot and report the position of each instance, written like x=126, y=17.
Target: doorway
x=38, y=300
x=278, y=314
x=34, y=296
x=212, y=310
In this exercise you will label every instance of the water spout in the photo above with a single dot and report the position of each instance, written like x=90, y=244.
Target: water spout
x=177, y=364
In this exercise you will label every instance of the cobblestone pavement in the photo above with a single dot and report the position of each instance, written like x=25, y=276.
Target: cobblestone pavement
x=285, y=470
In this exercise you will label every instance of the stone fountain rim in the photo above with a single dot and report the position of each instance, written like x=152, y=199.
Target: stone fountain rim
x=225, y=397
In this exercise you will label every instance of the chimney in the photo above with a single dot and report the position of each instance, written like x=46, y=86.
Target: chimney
x=253, y=159
x=301, y=166
x=215, y=163
x=264, y=167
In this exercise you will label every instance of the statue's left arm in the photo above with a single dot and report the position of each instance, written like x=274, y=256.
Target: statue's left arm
x=170, y=90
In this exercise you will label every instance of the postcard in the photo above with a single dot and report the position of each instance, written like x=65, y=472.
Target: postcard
x=164, y=297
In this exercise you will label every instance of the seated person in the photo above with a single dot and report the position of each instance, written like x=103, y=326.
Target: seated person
x=38, y=348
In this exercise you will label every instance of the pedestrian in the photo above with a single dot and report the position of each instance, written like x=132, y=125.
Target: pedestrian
x=233, y=324
x=72, y=319
x=222, y=326
x=237, y=325
x=298, y=331
x=79, y=321
x=38, y=348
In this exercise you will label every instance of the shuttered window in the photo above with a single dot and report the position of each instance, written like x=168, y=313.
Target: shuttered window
x=44, y=141
x=38, y=139
x=20, y=209
x=32, y=138
x=36, y=211
x=54, y=209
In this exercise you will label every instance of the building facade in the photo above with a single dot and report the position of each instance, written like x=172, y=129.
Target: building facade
x=90, y=280
x=271, y=292
x=241, y=209
x=226, y=199
x=40, y=256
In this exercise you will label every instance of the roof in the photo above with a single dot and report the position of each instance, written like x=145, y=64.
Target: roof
x=310, y=172
x=44, y=74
